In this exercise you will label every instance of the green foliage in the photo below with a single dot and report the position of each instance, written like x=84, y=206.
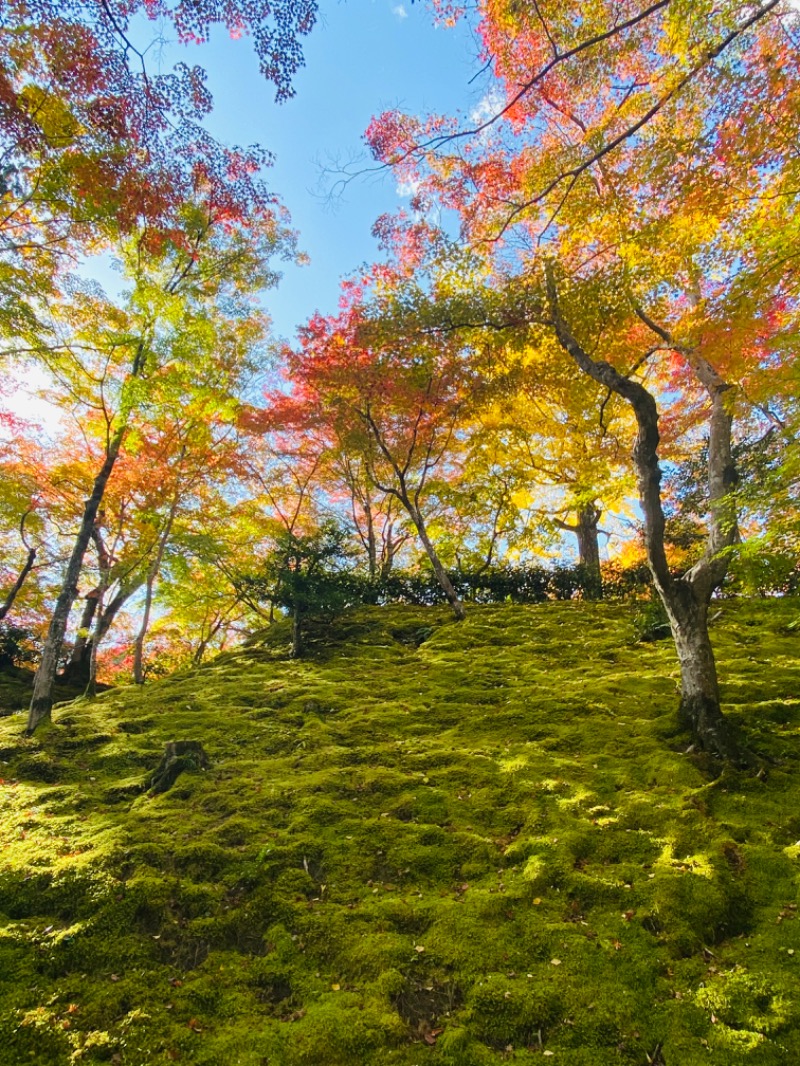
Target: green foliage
x=303, y=576
x=336, y=589
x=311, y=580
x=18, y=645
x=756, y=569
x=650, y=622
x=427, y=842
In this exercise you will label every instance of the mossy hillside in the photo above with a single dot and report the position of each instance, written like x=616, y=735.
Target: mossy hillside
x=427, y=843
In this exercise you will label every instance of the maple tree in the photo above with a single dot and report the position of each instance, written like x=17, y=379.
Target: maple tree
x=94, y=144
x=556, y=446
x=97, y=147
x=36, y=503
x=193, y=298
x=629, y=179
x=625, y=283
x=376, y=516
x=539, y=449
x=389, y=397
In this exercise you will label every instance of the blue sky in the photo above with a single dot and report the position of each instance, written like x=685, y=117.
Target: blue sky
x=363, y=57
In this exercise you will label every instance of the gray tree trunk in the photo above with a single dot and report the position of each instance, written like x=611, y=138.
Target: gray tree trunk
x=44, y=681
x=152, y=574
x=78, y=668
x=586, y=531
x=441, y=574
x=685, y=599
x=94, y=645
x=372, y=544
x=588, y=539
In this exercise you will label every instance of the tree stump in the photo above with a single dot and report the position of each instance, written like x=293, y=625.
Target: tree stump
x=179, y=755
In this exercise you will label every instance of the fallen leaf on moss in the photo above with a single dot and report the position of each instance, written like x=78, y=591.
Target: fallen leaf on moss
x=430, y=1038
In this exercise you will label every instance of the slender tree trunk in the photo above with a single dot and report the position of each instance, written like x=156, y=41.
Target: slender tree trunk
x=77, y=669
x=110, y=611
x=441, y=574
x=297, y=637
x=8, y=603
x=94, y=645
x=388, y=551
x=138, y=646
x=91, y=684
x=44, y=681
x=152, y=574
x=685, y=599
x=372, y=546
x=699, y=708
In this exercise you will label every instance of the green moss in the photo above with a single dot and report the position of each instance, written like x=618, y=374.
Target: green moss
x=503, y=1011
x=427, y=842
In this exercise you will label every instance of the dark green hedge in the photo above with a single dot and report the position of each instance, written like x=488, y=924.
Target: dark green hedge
x=513, y=584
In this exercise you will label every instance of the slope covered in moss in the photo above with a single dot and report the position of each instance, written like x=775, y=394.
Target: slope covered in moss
x=428, y=844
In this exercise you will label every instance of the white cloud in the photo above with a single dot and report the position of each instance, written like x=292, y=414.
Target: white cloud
x=489, y=105
x=408, y=188
x=400, y=11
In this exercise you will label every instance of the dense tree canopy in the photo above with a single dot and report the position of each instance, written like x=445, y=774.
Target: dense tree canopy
x=629, y=179
x=95, y=144
x=600, y=366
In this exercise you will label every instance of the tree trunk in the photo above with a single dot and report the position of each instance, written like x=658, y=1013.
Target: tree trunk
x=110, y=611
x=699, y=707
x=77, y=669
x=372, y=545
x=588, y=540
x=388, y=550
x=152, y=574
x=297, y=639
x=589, y=548
x=94, y=645
x=44, y=681
x=8, y=603
x=585, y=529
x=138, y=646
x=441, y=574
x=685, y=599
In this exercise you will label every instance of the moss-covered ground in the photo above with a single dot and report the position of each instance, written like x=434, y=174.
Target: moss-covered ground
x=427, y=844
